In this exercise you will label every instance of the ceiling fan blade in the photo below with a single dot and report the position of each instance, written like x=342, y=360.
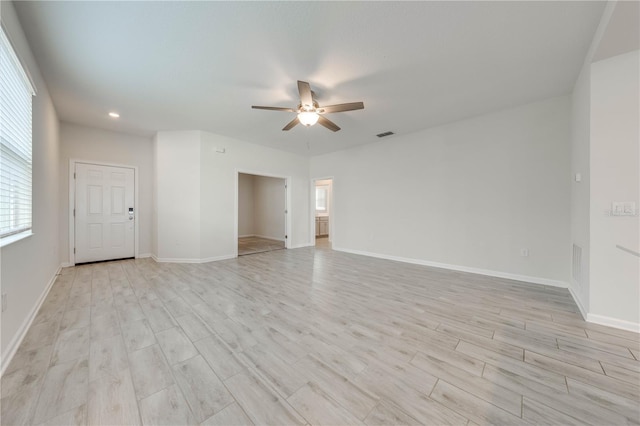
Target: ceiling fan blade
x=341, y=107
x=291, y=124
x=328, y=124
x=305, y=93
x=274, y=108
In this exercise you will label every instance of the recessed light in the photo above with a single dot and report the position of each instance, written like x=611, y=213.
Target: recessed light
x=114, y=115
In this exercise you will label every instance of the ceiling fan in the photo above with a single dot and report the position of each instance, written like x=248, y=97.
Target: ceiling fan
x=309, y=112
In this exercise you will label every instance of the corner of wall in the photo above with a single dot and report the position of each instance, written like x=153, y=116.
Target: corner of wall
x=26, y=286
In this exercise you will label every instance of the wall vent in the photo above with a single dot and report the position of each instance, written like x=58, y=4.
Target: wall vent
x=382, y=135
x=576, y=264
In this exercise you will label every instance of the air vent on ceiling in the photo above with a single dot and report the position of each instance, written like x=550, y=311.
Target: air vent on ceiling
x=382, y=135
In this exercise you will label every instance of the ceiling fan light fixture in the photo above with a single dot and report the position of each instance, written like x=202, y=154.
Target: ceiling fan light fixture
x=308, y=118
x=309, y=112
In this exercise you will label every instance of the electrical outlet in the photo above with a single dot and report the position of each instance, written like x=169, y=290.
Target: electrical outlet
x=4, y=302
x=524, y=252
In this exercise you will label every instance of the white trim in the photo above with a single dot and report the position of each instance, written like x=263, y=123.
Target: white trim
x=217, y=258
x=10, y=239
x=14, y=344
x=303, y=245
x=287, y=223
x=143, y=256
x=65, y=265
x=186, y=260
x=472, y=270
x=614, y=322
x=247, y=236
x=578, y=302
x=72, y=202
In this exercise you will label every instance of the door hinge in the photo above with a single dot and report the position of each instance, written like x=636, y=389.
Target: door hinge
x=74, y=250
x=286, y=212
x=74, y=212
x=286, y=236
x=74, y=175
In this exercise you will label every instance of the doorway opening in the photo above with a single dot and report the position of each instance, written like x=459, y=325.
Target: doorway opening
x=262, y=213
x=323, y=211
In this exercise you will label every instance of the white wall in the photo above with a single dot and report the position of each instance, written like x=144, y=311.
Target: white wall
x=471, y=194
x=219, y=177
x=580, y=205
x=196, y=193
x=29, y=265
x=91, y=144
x=615, y=176
x=269, y=207
x=178, y=195
x=246, y=221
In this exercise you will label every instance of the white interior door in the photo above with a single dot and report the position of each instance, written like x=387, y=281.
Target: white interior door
x=104, y=213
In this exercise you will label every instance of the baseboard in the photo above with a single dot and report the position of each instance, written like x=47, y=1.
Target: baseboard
x=614, y=322
x=583, y=310
x=14, y=344
x=490, y=273
x=65, y=265
x=247, y=236
x=302, y=245
x=186, y=260
x=217, y=258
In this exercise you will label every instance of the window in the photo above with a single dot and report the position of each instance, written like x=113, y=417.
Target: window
x=16, y=94
x=321, y=198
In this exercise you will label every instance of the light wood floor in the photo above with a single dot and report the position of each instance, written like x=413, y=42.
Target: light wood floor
x=253, y=245
x=314, y=336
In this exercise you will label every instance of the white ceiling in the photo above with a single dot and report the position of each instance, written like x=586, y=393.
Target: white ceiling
x=201, y=65
x=622, y=33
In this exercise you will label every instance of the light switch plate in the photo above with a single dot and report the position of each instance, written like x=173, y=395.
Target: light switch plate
x=629, y=208
x=623, y=208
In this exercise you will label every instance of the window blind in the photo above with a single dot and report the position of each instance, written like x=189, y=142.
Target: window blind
x=16, y=94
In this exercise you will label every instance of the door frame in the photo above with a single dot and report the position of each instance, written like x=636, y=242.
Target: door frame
x=287, y=202
x=72, y=203
x=312, y=209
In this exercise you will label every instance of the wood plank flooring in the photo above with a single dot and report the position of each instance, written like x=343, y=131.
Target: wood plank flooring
x=313, y=336
x=253, y=245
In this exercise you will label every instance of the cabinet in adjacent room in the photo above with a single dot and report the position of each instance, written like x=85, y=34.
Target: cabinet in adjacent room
x=322, y=226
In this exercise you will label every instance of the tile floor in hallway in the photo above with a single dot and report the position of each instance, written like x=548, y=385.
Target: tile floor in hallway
x=314, y=336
